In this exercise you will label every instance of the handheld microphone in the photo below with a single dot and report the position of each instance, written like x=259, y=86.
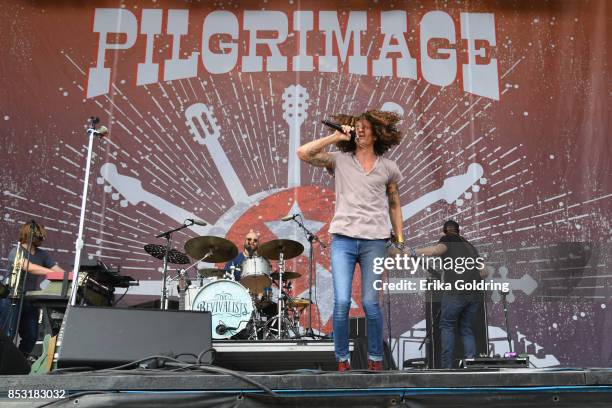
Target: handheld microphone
x=197, y=222
x=338, y=127
x=289, y=217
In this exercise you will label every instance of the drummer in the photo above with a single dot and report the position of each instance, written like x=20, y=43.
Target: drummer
x=251, y=243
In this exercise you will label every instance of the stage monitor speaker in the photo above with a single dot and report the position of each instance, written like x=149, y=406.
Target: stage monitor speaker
x=101, y=337
x=479, y=327
x=496, y=362
x=12, y=360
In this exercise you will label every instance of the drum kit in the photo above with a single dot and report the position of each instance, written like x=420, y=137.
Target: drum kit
x=258, y=306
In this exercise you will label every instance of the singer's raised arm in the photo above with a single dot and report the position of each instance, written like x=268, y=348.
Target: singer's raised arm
x=312, y=152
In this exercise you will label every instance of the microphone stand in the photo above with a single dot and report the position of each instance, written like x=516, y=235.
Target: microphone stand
x=163, y=303
x=91, y=132
x=311, y=238
x=428, y=339
x=504, y=294
x=184, y=270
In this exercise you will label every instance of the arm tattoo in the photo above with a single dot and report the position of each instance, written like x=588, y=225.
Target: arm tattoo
x=393, y=196
x=319, y=159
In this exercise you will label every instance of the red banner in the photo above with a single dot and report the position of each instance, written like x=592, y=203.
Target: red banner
x=505, y=120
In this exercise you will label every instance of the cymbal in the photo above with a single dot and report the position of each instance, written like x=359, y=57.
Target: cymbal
x=174, y=256
x=286, y=276
x=298, y=302
x=211, y=273
x=272, y=249
x=220, y=249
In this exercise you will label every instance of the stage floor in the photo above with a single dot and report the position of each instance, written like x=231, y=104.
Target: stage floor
x=308, y=388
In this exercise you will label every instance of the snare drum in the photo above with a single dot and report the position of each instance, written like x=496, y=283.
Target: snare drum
x=256, y=274
x=230, y=306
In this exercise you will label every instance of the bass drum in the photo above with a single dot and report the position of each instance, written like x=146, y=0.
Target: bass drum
x=229, y=304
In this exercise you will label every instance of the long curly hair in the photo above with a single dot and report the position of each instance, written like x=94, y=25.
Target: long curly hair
x=384, y=128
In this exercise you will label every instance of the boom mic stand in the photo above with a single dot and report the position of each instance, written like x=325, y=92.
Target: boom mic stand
x=163, y=304
x=91, y=132
x=311, y=238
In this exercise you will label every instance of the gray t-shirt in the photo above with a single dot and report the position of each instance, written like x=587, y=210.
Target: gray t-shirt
x=362, y=206
x=41, y=257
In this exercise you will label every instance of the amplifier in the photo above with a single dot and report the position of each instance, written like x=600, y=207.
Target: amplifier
x=101, y=337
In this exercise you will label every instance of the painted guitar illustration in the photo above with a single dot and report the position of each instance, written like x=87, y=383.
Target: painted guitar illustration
x=295, y=104
x=131, y=189
x=205, y=130
x=451, y=191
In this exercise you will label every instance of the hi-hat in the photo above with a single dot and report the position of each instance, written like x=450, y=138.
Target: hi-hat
x=273, y=249
x=218, y=249
x=174, y=256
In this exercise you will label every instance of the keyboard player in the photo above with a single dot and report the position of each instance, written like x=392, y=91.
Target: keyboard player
x=39, y=266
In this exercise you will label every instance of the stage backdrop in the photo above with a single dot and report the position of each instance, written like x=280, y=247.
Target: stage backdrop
x=506, y=118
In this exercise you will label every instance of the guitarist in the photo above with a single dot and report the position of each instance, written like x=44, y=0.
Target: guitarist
x=39, y=265
x=457, y=305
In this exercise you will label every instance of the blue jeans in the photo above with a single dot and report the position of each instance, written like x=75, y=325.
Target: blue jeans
x=346, y=252
x=462, y=308
x=28, y=324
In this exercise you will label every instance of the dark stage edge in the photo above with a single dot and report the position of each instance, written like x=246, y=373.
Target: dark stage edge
x=411, y=388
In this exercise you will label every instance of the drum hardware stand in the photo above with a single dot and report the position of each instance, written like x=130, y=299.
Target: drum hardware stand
x=291, y=324
x=309, y=332
x=163, y=304
x=91, y=132
x=281, y=270
x=281, y=301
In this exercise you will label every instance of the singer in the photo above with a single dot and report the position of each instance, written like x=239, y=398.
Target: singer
x=362, y=218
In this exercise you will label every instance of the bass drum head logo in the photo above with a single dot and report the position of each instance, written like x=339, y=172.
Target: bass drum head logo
x=229, y=304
